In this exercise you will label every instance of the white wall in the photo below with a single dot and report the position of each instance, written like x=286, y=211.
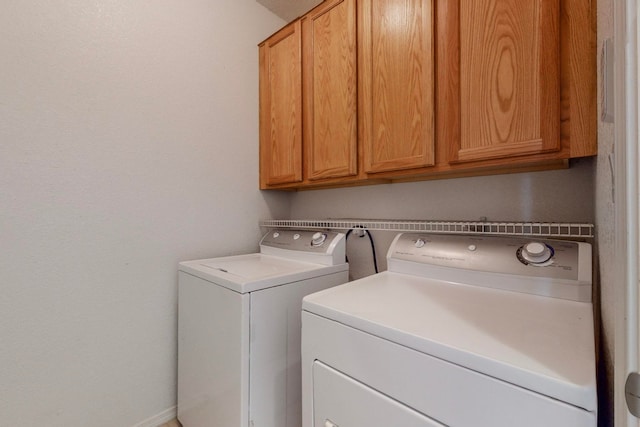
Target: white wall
x=562, y=195
x=128, y=142
x=550, y=196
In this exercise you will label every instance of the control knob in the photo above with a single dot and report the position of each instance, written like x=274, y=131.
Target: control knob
x=318, y=239
x=535, y=253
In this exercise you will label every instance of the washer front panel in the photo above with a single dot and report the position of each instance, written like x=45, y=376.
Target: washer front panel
x=213, y=321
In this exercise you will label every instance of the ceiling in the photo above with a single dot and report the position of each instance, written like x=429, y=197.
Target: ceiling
x=289, y=9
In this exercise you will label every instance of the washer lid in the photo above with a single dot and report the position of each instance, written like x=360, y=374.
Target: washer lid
x=542, y=344
x=251, y=272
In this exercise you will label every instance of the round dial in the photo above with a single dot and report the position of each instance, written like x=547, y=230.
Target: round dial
x=535, y=253
x=318, y=239
x=419, y=243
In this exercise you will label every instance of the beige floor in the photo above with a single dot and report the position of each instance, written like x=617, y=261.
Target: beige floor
x=173, y=423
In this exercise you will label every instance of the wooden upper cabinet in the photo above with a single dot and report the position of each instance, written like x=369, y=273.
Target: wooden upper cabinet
x=281, y=107
x=364, y=91
x=396, y=104
x=509, y=79
x=330, y=90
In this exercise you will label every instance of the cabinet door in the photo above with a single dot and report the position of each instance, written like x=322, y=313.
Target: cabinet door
x=281, y=107
x=330, y=90
x=396, y=62
x=509, y=79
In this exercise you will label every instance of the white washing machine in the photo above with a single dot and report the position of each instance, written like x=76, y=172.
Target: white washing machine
x=239, y=329
x=460, y=331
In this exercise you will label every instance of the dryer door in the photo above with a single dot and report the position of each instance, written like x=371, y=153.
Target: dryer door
x=340, y=401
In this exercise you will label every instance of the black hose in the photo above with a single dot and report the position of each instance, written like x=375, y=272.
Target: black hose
x=373, y=246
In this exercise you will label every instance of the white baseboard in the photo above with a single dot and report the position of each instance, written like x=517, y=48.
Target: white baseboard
x=159, y=419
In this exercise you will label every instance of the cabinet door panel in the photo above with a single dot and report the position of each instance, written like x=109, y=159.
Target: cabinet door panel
x=330, y=90
x=281, y=107
x=509, y=78
x=397, y=99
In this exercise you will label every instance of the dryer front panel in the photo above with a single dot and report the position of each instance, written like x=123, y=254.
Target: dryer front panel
x=446, y=392
x=340, y=401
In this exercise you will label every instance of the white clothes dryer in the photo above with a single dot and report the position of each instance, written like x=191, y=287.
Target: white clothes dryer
x=461, y=331
x=239, y=329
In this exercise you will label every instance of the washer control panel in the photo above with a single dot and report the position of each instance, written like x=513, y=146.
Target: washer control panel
x=556, y=259
x=300, y=240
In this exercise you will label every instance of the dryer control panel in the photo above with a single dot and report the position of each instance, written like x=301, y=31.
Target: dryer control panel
x=492, y=260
